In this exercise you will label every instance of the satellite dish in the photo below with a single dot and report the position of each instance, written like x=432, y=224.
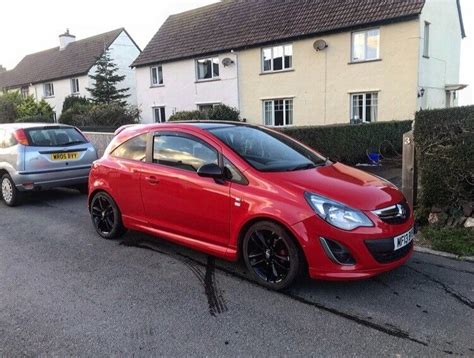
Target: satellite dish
x=320, y=45
x=227, y=62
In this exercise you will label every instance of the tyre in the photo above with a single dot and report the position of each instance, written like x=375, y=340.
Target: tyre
x=271, y=255
x=106, y=216
x=10, y=194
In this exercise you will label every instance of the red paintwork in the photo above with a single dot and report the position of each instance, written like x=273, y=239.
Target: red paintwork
x=197, y=212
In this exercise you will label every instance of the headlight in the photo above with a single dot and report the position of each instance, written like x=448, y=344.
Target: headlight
x=336, y=213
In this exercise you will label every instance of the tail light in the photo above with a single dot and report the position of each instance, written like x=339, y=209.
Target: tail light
x=21, y=137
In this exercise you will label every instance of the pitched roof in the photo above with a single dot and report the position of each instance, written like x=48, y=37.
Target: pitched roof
x=76, y=59
x=237, y=24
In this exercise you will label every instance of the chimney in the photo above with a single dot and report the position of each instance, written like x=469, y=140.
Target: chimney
x=2, y=69
x=65, y=39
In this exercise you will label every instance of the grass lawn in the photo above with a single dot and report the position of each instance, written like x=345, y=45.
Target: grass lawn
x=459, y=241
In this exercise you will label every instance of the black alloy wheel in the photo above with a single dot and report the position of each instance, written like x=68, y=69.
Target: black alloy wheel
x=106, y=216
x=271, y=255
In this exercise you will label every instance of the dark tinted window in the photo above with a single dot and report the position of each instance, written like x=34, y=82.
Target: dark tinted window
x=182, y=152
x=267, y=151
x=134, y=149
x=54, y=136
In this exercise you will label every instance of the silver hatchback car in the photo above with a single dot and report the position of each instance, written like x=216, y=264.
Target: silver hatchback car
x=36, y=156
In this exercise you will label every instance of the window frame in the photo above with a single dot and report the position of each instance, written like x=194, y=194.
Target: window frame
x=161, y=81
x=162, y=114
x=75, y=86
x=272, y=48
x=25, y=91
x=272, y=100
x=49, y=85
x=181, y=135
x=364, y=106
x=426, y=39
x=365, y=32
x=213, y=78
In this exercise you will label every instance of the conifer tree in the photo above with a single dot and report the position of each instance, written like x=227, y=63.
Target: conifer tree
x=106, y=79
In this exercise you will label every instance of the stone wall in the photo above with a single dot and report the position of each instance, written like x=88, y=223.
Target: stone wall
x=99, y=140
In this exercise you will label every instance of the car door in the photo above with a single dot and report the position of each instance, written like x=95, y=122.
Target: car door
x=175, y=198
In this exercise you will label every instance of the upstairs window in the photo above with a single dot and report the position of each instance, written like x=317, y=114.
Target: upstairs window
x=75, y=85
x=364, y=107
x=365, y=45
x=426, y=40
x=156, y=75
x=207, y=68
x=277, y=58
x=48, y=89
x=25, y=92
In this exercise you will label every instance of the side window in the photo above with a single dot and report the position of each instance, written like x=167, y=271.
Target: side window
x=182, y=152
x=232, y=173
x=133, y=149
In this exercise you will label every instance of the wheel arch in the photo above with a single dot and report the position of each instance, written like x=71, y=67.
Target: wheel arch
x=243, y=230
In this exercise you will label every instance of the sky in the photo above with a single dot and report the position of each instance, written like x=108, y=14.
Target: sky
x=30, y=26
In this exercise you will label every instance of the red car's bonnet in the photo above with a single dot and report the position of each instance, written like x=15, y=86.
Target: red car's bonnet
x=344, y=184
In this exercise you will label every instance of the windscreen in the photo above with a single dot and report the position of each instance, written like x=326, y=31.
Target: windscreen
x=54, y=136
x=266, y=150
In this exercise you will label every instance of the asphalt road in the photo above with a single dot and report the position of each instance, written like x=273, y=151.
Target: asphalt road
x=65, y=291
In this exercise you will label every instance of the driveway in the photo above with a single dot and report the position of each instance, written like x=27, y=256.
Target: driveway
x=64, y=291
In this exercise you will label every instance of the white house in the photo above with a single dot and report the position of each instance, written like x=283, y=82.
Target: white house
x=188, y=84
x=299, y=62
x=63, y=71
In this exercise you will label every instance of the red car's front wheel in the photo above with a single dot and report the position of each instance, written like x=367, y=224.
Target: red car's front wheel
x=271, y=255
x=106, y=216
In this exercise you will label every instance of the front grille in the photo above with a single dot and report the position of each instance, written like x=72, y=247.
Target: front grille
x=383, y=250
x=395, y=214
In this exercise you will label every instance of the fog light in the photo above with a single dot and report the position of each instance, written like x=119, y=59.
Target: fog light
x=337, y=252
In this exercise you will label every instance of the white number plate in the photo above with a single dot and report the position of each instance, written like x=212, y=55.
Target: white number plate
x=403, y=239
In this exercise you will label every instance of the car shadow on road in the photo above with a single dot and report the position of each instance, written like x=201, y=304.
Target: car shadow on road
x=48, y=197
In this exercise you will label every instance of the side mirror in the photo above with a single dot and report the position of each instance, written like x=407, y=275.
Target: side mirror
x=210, y=170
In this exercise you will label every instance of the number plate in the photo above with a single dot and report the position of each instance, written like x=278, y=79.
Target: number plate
x=403, y=239
x=65, y=156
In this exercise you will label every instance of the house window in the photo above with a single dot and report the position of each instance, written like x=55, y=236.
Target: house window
x=365, y=45
x=277, y=58
x=75, y=85
x=206, y=107
x=156, y=75
x=55, y=118
x=24, y=91
x=278, y=112
x=207, y=68
x=48, y=89
x=364, y=107
x=159, y=114
x=426, y=40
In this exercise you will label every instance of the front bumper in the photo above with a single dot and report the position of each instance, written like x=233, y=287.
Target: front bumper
x=51, y=179
x=369, y=246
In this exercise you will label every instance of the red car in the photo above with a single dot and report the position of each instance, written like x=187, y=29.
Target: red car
x=238, y=191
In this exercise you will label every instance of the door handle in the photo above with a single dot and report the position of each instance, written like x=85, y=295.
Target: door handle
x=152, y=179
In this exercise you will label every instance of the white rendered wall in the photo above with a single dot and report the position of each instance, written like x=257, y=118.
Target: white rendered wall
x=181, y=90
x=441, y=68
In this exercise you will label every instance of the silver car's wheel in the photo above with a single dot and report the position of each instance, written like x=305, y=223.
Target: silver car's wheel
x=9, y=191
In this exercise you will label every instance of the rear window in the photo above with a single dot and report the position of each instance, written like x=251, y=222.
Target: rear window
x=54, y=137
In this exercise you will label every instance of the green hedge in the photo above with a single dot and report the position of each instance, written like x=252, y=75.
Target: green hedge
x=349, y=143
x=445, y=154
